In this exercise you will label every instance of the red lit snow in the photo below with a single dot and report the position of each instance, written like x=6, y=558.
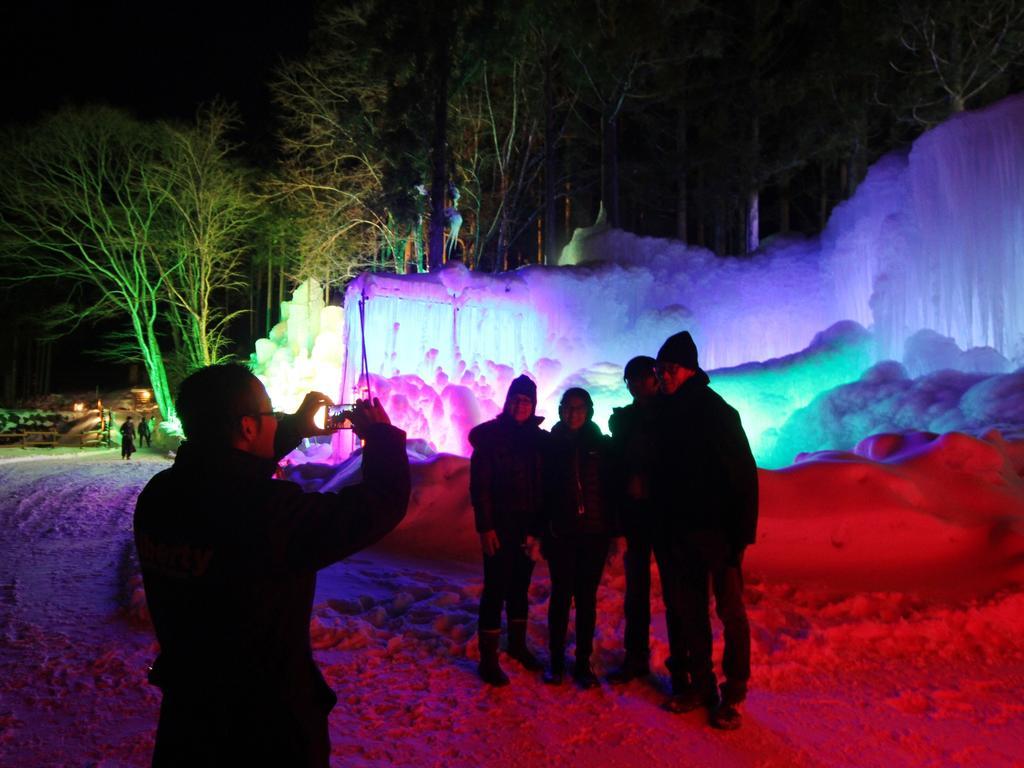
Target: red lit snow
x=887, y=620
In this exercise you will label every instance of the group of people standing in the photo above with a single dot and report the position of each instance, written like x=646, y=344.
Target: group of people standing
x=676, y=478
x=128, y=432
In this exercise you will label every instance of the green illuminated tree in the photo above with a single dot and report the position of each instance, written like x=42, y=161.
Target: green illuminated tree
x=209, y=211
x=144, y=223
x=78, y=204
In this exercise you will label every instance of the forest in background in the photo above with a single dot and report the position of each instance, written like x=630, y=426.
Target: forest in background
x=169, y=244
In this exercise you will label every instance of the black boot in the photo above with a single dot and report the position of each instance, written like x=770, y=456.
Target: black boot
x=517, y=647
x=556, y=672
x=687, y=697
x=584, y=675
x=631, y=669
x=727, y=716
x=489, y=669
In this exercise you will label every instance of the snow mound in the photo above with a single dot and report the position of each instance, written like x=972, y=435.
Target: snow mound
x=940, y=514
x=937, y=514
x=886, y=400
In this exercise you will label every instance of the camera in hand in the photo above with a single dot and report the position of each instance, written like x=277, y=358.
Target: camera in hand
x=338, y=417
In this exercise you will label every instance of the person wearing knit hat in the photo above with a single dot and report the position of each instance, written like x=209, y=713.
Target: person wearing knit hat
x=679, y=349
x=505, y=487
x=705, y=490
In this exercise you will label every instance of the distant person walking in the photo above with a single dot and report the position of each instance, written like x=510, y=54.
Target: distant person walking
x=505, y=486
x=127, y=438
x=106, y=426
x=579, y=521
x=145, y=432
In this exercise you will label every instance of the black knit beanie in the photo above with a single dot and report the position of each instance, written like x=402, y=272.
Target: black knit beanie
x=639, y=366
x=522, y=385
x=679, y=349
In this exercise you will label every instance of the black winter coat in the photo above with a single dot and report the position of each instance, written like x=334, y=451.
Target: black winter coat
x=579, y=481
x=229, y=557
x=505, y=476
x=706, y=478
x=634, y=429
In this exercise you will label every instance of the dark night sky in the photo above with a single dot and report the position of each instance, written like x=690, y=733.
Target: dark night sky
x=157, y=59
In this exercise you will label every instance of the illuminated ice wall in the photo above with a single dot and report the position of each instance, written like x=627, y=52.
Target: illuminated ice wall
x=304, y=351
x=442, y=348
x=933, y=239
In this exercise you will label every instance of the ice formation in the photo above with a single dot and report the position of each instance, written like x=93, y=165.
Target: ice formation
x=926, y=257
x=304, y=351
x=934, y=238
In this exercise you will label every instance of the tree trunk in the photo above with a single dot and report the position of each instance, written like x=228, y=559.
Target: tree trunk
x=956, y=102
x=752, y=240
x=11, y=380
x=823, y=196
x=719, y=234
x=47, y=365
x=568, y=211
x=701, y=239
x=681, y=175
x=753, y=221
x=857, y=160
x=784, y=204
x=270, y=293
x=280, y=286
x=504, y=226
x=253, y=288
x=610, y=169
x=549, y=236
x=439, y=153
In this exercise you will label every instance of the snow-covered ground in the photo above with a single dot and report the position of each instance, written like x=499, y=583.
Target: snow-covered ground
x=887, y=620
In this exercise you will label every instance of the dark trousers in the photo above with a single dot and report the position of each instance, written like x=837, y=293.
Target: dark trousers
x=637, y=563
x=506, y=584
x=576, y=564
x=697, y=560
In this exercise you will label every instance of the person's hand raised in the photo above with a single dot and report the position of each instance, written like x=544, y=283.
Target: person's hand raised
x=305, y=416
x=365, y=414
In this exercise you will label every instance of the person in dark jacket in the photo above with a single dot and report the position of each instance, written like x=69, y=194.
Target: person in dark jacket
x=145, y=433
x=633, y=428
x=505, y=488
x=127, y=438
x=229, y=557
x=579, y=521
x=706, y=489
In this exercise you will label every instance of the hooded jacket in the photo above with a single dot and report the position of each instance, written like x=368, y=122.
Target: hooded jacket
x=706, y=478
x=505, y=480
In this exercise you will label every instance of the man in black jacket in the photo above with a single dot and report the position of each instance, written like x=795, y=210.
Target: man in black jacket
x=229, y=557
x=633, y=429
x=505, y=488
x=706, y=487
